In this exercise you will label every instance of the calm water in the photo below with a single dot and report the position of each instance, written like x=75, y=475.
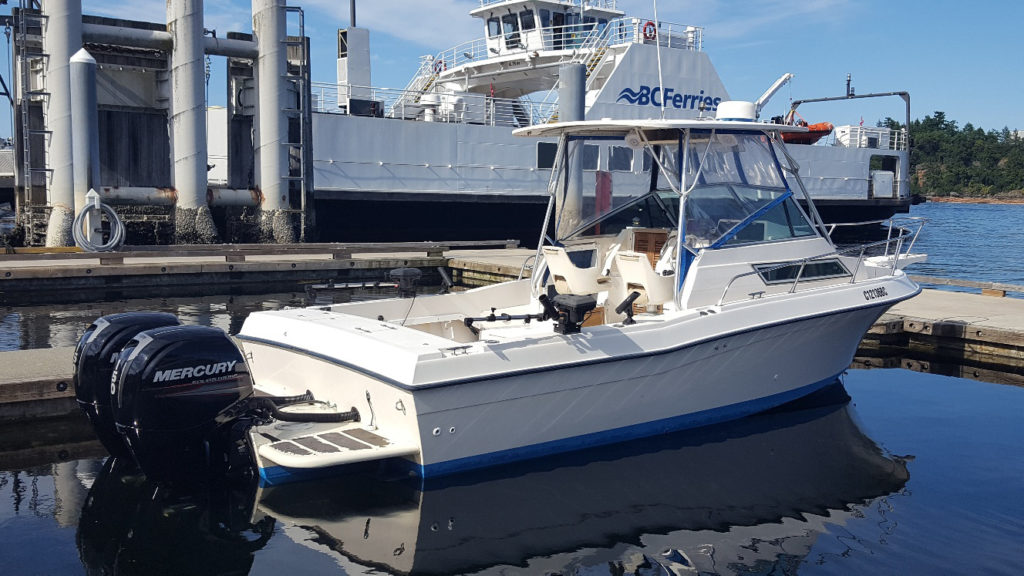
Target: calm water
x=915, y=474
x=983, y=242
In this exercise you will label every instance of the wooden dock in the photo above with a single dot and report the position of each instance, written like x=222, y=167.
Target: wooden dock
x=30, y=276
x=956, y=333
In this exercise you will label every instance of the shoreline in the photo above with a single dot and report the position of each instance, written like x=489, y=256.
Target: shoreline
x=951, y=200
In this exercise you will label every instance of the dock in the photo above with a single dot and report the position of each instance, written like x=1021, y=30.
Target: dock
x=962, y=334
x=32, y=276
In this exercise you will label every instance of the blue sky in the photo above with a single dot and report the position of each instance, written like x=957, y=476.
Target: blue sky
x=958, y=57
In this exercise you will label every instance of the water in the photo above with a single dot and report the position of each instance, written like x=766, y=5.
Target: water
x=917, y=474
x=54, y=326
x=981, y=242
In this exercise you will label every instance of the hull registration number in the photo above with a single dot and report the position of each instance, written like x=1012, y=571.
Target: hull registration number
x=875, y=293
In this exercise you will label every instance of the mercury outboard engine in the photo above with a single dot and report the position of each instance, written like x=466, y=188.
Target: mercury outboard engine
x=177, y=394
x=94, y=359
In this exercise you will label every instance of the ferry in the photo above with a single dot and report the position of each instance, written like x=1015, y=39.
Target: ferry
x=447, y=136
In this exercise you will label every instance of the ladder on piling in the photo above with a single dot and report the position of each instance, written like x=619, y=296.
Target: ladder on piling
x=29, y=16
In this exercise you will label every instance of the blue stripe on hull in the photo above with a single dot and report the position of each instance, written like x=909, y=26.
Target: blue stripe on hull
x=280, y=474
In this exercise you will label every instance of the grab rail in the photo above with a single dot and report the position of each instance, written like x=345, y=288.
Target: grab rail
x=895, y=225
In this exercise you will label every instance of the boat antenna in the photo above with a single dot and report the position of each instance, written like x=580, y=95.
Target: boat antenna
x=352, y=13
x=657, y=46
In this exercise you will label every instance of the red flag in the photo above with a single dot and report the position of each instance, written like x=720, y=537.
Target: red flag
x=861, y=120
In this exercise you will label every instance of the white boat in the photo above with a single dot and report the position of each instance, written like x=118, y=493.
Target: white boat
x=708, y=297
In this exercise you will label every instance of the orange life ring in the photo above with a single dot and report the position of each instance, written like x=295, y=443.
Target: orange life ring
x=440, y=66
x=650, y=31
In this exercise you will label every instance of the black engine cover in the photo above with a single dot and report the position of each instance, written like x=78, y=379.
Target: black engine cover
x=94, y=359
x=174, y=388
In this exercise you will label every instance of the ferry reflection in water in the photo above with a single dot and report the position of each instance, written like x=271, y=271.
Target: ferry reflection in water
x=750, y=495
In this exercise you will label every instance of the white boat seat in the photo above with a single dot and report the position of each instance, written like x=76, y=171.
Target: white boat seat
x=570, y=278
x=638, y=274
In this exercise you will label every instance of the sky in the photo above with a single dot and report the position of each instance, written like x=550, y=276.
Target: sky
x=954, y=56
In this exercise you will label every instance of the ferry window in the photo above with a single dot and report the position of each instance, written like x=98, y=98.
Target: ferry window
x=526, y=18
x=493, y=27
x=818, y=270
x=511, y=23
x=546, y=155
x=620, y=159
x=590, y=156
x=545, y=18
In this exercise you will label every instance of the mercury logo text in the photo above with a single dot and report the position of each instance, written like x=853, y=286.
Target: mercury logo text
x=647, y=96
x=194, y=371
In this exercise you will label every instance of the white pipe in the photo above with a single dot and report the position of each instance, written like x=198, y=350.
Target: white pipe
x=230, y=47
x=85, y=144
x=233, y=197
x=86, y=137
x=62, y=37
x=138, y=195
x=124, y=36
x=269, y=26
x=188, y=102
x=160, y=40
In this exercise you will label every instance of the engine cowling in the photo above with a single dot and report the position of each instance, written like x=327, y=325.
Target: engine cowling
x=94, y=359
x=176, y=393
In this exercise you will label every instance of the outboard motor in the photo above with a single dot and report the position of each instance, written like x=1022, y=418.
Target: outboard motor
x=177, y=393
x=94, y=359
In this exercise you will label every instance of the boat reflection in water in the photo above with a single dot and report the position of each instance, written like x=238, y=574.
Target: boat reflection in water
x=726, y=499
x=130, y=525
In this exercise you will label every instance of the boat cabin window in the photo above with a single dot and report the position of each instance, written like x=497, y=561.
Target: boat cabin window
x=817, y=270
x=527, y=20
x=493, y=27
x=545, y=18
x=620, y=159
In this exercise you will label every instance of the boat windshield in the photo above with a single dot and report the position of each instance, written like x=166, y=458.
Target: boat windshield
x=735, y=194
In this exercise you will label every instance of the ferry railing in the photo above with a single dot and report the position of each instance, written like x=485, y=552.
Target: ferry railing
x=899, y=231
x=630, y=30
x=869, y=137
x=449, y=108
x=605, y=4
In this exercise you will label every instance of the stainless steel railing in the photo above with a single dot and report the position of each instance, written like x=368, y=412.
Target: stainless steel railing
x=894, y=248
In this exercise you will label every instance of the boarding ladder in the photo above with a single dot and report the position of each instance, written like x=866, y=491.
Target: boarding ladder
x=28, y=17
x=424, y=79
x=297, y=48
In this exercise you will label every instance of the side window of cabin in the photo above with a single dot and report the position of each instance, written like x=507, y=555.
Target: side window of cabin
x=647, y=161
x=546, y=155
x=526, y=20
x=590, y=156
x=493, y=27
x=511, y=24
x=620, y=159
x=545, y=18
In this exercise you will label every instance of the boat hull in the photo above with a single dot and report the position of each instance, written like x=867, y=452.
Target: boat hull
x=477, y=423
